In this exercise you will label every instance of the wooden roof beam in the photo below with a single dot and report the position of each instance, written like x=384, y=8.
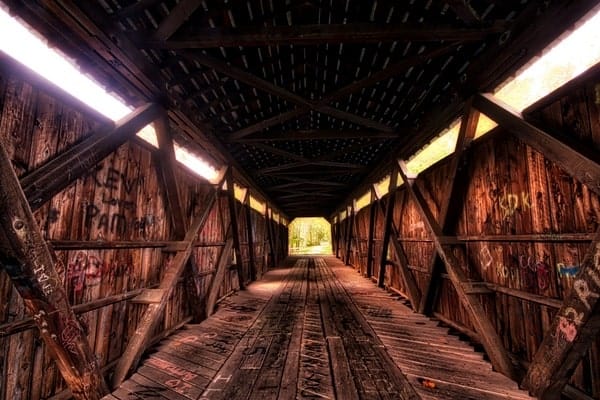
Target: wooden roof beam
x=307, y=35
x=320, y=134
x=308, y=195
x=322, y=105
x=579, y=166
x=135, y=8
x=390, y=71
x=176, y=18
x=301, y=182
x=296, y=165
x=282, y=153
x=55, y=175
x=32, y=268
x=267, y=123
x=464, y=11
x=303, y=105
x=329, y=172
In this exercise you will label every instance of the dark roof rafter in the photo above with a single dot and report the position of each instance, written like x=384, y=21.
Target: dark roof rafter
x=303, y=104
x=318, y=34
x=388, y=72
x=318, y=134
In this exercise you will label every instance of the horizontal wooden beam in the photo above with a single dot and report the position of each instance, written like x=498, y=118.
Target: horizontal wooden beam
x=521, y=294
x=307, y=35
x=267, y=123
x=168, y=245
x=392, y=70
x=308, y=195
x=254, y=81
x=134, y=9
x=177, y=17
x=321, y=134
x=280, y=152
x=55, y=175
x=579, y=166
x=297, y=165
x=302, y=182
x=329, y=172
x=28, y=323
x=382, y=130
x=464, y=11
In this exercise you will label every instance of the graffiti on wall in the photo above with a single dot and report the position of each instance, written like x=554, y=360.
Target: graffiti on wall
x=566, y=271
x=86, y=270
x=119, y=219
x=571, y=318
x=511, y=202
x=533, y=272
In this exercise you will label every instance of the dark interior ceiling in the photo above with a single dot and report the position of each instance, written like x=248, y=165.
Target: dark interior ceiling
x=310, y=98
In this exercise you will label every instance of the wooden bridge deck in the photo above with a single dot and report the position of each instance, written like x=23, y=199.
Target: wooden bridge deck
x=315, y=330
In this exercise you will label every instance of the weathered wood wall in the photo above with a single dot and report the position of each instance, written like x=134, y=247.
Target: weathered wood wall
x=110, y=229
x=524, y=224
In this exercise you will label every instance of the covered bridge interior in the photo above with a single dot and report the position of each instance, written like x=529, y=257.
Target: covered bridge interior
x=144, y=229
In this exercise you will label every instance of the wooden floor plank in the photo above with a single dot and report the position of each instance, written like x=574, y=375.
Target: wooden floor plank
x=315, y=330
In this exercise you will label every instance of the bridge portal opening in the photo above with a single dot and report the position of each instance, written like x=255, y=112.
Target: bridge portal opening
x=310, y=236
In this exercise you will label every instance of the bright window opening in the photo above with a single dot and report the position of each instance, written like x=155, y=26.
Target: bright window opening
x=439, y=148
x=239, y=193
x=560, y=62
x=382, y=187
x=363, y=201
x=258, y=205
x=310, y=236
x=31, y=50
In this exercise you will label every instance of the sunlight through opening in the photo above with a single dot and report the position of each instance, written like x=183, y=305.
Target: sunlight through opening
x=310, y=236
x=30, y=49
x=565, y=59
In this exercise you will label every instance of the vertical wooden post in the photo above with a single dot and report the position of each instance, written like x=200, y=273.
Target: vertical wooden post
x=221, y=269
x=166, y=171
x=276, y=241
x=250, y=235
x=332, y=233
x=235, y=228
x=491, y=341
x=32, y=269
x=389, y=215
x=137, y=344
x=371, y=239
x=447, y=219
x=349, y=227
x=270, y=235
x=410, y=285
x=337, y=236
x=217, y=278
